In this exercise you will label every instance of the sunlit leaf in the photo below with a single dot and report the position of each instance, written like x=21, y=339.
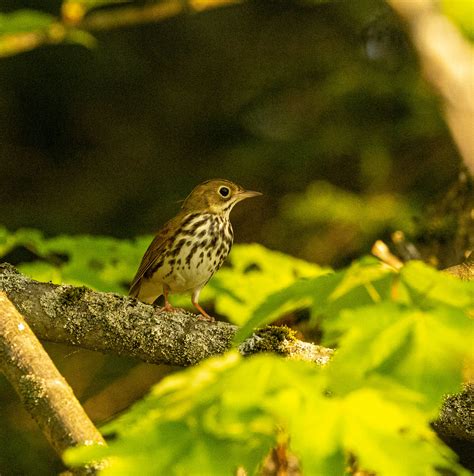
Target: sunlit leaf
x=81, y=37
x=208, y=420
x=365, y=282
x=403, y=444
x=228, y=411
x=424, y=351
x=102, y=263
x=428, y=287
x=22, y=21
x=255, y=273
x=462, y=13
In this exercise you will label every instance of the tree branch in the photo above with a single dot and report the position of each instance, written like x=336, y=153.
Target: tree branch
x=448, y=62
x=75, y=18
x=117, y=324
x=42, y=389
x=111, y=323
x=130, y=16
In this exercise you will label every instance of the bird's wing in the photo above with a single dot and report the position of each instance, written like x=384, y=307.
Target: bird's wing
x=153, y=253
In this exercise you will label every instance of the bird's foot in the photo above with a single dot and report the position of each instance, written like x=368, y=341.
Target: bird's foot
x=206, y=317
x=167, y=308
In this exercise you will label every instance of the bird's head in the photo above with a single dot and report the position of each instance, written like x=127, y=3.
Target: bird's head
x=216, y=196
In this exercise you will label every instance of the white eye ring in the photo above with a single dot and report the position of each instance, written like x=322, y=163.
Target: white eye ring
x=224, y=191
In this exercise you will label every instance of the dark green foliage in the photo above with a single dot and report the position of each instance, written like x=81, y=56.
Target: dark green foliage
x=24, y=21
x=102, y=263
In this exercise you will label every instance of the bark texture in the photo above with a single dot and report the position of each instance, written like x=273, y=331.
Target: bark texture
x=42, y=389
x=117, y=324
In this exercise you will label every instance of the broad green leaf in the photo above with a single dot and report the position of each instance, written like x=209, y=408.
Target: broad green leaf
x=315, y=429
x=428, y=287
x=228, y=412
x=299, y=295
x=255, y=273
x=403, y=444
x=24, y=21
x=424, y=351
x=102, y=263
x=207, y=420
x=441, y=340
x=42, y=271
x=361, y=273
x=462, y=13
x=365, y=282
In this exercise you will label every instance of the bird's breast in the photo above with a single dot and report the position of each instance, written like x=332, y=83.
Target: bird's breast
x=195, y=253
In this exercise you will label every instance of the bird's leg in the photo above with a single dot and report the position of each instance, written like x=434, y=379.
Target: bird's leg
x=167, y=307
x=195, y=300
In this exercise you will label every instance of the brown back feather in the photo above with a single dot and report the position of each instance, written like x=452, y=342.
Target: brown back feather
x=154, y=252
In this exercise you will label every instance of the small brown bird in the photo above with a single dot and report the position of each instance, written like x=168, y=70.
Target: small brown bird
x=190, y=247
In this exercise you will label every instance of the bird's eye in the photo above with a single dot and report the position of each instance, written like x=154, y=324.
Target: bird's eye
x=224, y=191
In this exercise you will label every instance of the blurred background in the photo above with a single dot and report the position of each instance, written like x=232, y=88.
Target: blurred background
x=319, y=105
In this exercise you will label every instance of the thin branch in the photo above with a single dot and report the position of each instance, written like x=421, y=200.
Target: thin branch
x=117, y=324
x=75, y=19
x=42, y=389
x=130, y=16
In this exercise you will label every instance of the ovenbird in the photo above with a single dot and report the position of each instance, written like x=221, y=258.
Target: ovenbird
x=190, y=247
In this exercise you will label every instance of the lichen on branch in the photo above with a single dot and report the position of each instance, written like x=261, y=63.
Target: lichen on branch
x=121, y=325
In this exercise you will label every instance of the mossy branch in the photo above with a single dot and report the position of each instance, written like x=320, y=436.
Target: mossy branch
x=117, y=324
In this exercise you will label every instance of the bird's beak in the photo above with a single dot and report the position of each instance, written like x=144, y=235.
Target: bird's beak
x=247, y=194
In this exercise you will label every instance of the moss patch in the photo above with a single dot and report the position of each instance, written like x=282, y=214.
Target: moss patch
x=273, y=339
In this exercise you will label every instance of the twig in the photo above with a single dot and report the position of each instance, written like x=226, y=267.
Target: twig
x=130, y=16
x=381, y=251
x=74, y=19
x=117, y=324
x=42, y=389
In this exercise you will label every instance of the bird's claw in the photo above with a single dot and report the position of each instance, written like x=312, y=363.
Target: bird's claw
x=206, y=317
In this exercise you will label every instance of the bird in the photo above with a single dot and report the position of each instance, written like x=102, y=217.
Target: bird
x=191, y=247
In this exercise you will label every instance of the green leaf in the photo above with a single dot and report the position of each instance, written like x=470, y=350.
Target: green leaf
x=423, y=351
x=42, y=271
x=102, y=263
x=462, y=13
x=429, y=288
x=229, y=411
x=362, y=273
x=299, y=295
x=403, y=444
x=255, y=273
x=364, y=282
x=207, y=420
x=23, y=21
x=81, y=37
